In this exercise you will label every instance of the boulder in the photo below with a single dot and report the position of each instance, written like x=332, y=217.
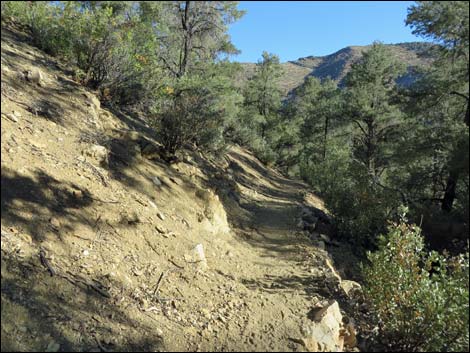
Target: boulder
x=325, y=334
x=214, y=211
x=35, y=76
x=98, y=152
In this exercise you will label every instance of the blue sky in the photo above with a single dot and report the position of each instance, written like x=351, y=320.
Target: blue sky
x=294, y=29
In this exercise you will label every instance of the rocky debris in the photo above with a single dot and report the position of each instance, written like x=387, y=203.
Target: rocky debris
x=214, y=211
x=14, y=116
x=161, y=216
x=200, y=256
x=55, y=223
x=349, y=333
x=197, y=256
x=97, y=151
x=78, y=194
x=324, y=335
x=35, y=76
x=351, y=289
x=156, y=181
x=161, y=230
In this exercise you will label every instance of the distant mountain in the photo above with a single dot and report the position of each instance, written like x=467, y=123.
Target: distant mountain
x=337, y=65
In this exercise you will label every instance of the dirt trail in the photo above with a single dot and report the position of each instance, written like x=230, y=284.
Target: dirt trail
x=98, y=249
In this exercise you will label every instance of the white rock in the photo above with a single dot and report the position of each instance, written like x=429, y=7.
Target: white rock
x=97, y=151
x=326, y=329
x=350, y=287
x=156, y=181
x=200, y=256
x=35, y=76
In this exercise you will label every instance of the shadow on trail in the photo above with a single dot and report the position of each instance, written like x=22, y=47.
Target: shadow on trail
x=39, y=304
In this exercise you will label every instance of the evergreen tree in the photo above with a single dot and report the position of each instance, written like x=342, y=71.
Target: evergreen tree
x=370, y=104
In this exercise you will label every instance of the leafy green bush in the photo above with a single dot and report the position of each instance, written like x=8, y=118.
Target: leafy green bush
x=196, y=110
x=420, y=299
x=359, y=206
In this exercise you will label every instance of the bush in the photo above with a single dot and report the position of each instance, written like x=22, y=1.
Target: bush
x=420, y=299
x=196, y=110
x=359, y=206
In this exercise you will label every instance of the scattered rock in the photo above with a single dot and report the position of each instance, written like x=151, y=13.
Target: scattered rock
x=97, y=151
x=14, y=116
x=35, y=76
x=200, y=256
x=350, y=288
x=156, y=181
x=161, y=230
x=349, y=335
x=161, y=216
x=78, y=194
x=324, y=334
x=55, y=223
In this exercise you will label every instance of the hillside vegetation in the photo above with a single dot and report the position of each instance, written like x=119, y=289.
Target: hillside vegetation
x=337, y=65
x=155, y=198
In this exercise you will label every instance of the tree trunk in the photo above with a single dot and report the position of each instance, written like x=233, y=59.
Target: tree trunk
x=324, y=137
x=449, y=195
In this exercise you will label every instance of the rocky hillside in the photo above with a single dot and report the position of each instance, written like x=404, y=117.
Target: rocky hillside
x=106, y=247
x=338, y=64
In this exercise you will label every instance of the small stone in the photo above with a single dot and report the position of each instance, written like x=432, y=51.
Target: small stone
x=78, y=194
x=156, y=181
x=161, y=216
x=12, y=117
x=350, y=287
x=86, y=253
x=55, y=223
x=53, y=347
x=160, y=229
x=97, y=151
x=35, y=76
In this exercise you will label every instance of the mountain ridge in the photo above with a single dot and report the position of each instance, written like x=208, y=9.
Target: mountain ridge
x=338, y=64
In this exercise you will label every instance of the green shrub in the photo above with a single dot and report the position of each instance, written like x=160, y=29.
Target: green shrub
x=360, y=207
x=195, y=110
x=419, y=299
